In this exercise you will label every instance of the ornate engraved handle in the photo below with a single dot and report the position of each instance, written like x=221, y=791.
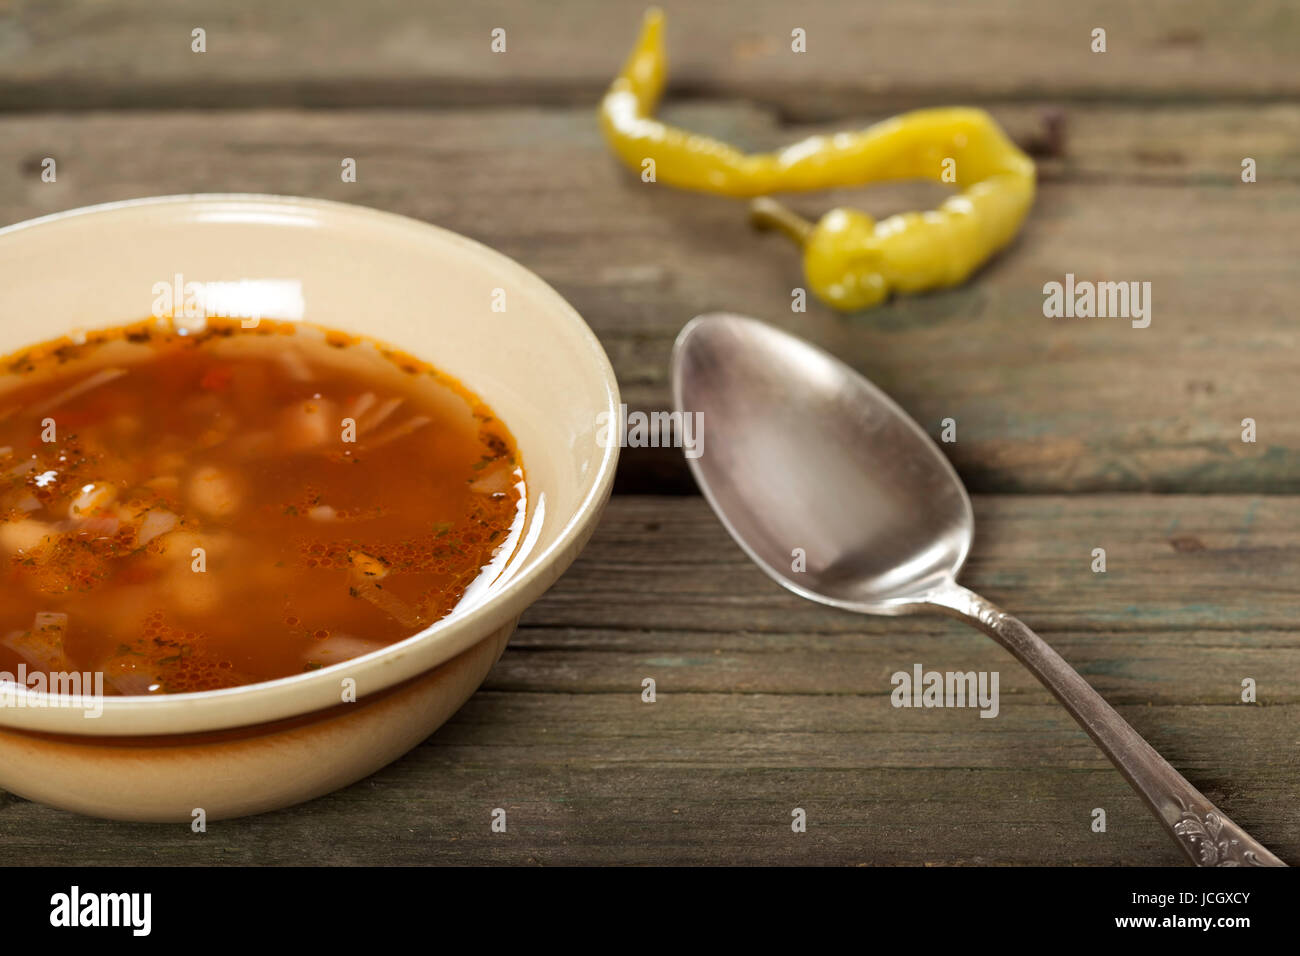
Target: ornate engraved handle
x=1207, y=836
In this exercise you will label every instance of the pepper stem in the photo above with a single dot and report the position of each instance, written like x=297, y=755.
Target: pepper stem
x=767, y=213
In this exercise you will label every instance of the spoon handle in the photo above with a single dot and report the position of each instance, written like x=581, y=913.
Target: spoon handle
x=1205, y=834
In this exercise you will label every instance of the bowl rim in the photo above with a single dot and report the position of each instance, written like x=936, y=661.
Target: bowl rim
x=309, y=692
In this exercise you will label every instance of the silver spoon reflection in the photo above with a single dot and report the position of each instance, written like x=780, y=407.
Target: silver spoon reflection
x=803, y=452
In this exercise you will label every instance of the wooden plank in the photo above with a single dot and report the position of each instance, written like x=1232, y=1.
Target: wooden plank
x=1041, y=405
x=766, y=703
x=131, y=53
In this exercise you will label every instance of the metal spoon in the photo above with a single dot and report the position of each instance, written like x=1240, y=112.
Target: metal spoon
x=803, y=452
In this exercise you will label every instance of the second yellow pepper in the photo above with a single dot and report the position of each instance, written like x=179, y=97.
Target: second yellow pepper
x=851, y=260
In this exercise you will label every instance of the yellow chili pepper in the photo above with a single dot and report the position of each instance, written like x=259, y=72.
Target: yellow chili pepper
x=851, y=260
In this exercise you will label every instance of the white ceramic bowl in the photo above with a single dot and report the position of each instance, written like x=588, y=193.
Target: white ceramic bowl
x=423, y=289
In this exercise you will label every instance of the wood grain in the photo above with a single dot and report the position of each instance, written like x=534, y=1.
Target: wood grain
x=767, y=703
x=136, y=53
x=1041, y=405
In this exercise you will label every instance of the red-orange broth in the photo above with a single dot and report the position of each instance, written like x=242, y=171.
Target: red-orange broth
x=186, y=512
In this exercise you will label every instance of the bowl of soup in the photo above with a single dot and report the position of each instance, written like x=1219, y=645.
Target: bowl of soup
x=278, y=477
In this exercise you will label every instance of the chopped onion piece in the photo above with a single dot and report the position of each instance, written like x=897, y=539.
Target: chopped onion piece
x=51, y=621
x=102, y=377
x=362, y=405
x=339, y=647
x=42, y=646
x=103, y=526
x=371, y=590
x=380, y=415
x=130, y=676
x=398, y=431
x=498, y=479
x=155, y=523
x=92, y=498
x=296, y=365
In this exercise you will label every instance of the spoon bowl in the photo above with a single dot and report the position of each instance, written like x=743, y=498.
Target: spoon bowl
x=836, y=493
x=816, y=460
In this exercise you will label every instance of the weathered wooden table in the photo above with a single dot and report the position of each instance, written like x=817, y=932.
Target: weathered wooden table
x=1072, y=434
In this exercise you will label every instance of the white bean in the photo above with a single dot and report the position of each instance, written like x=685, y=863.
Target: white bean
x=24, y=535
x=213, y=492
x=307, y=424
